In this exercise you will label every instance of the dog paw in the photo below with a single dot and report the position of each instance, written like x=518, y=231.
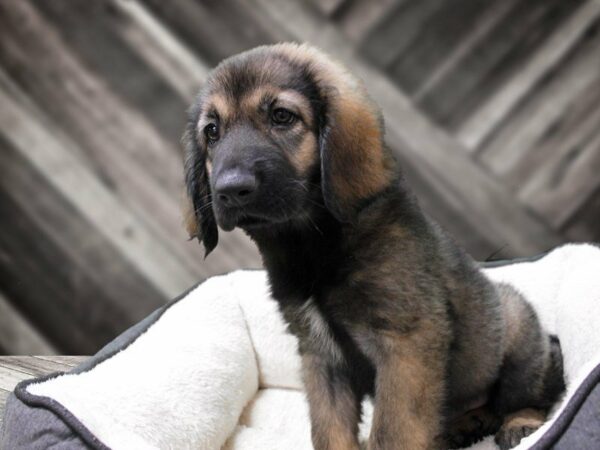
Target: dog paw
x=470, y=428
x=510, y=437
x=517, y=426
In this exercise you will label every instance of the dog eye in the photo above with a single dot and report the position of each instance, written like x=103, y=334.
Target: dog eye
x=211, y=131
x=282, y=116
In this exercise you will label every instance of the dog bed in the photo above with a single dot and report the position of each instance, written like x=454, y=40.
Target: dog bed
x=217, y=368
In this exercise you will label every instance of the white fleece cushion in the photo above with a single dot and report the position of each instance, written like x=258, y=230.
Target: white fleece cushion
x=181, y=385
x=276, y=349
x=275, y=419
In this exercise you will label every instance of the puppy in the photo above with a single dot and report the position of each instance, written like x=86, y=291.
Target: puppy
x=286, y=144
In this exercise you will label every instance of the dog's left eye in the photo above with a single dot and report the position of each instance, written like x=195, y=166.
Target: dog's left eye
x=212, y=132
x=282, y=116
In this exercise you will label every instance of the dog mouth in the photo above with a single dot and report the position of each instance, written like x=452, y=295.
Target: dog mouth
x=229, y=218
x=252, y=221
x=263, y=211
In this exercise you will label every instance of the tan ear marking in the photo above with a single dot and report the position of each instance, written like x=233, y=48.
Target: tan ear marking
x=190, y=221
x=357, y=152
x=356, y=165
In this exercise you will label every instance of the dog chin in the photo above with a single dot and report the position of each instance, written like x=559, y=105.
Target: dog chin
x=227, y=222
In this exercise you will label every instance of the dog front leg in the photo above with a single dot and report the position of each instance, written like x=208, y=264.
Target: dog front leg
x=334, y=408
x=409, y=390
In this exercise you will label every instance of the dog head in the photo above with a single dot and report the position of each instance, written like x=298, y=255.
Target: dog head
x=276, y=132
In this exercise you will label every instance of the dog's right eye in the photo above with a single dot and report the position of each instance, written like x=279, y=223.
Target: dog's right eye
x=282, y=116
x=211, y=131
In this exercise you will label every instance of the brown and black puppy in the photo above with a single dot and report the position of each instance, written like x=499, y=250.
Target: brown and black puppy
x=285, y=144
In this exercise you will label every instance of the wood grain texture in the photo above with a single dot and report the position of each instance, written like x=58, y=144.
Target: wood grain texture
x=213, y=29
x=17, y=335
x=72, y=302
x=536, y=118
x=491, y=108
x=502, y=52
x=483, y=121
x=359, y=17
x=397, y=30
x=439, y=35
x=3, y=396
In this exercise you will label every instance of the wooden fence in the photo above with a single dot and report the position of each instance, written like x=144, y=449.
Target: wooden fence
x=490, y=105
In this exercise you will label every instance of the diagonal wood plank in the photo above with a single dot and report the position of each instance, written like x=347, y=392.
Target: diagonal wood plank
x=328, y=8
x=583, y=225
x=479, y=201
x=569, y=179
x=46, y=239
x=213, y=29
x=121, y=147
x=113, y=139
x=67, y=360
x=360, y=16
x=486, y=22
x=111, y=44
x=163, y=51
x=493, y=60
x=3, y=396
x=17, y=335
x=32, y=365
x=527, y=133
x=10, y=377
x=483, y=120
x=395, y=31
x=76, y=183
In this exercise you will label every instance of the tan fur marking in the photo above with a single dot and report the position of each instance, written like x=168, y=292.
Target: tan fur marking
x=359, y=160
x=221, y=104
x=527, y=417
x=334, y=415
x=250, y=102
x=189, y=218
x=409, y=394
x=289, y=99
x=306, y=154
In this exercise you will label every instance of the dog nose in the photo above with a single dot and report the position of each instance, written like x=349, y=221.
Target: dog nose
x=235, y=187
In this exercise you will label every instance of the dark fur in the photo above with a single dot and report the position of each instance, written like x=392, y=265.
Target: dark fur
x=382, y=300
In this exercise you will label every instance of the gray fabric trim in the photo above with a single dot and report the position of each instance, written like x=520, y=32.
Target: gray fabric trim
x=584, y=430
x=578, y=426
x=507, y=262
x=30, y=428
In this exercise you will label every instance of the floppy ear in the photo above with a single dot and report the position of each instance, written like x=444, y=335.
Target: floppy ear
x=354, y=165
x=200, y=220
